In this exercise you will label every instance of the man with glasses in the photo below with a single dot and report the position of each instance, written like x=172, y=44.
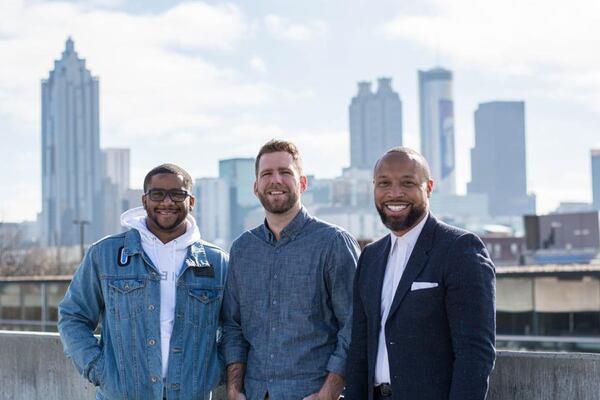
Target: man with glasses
x=156, y=292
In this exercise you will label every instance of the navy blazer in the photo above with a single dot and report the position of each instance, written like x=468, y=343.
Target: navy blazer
x=440, y=340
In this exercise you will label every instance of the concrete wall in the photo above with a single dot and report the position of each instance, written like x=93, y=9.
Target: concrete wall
x=528, y=375
x=32, y=366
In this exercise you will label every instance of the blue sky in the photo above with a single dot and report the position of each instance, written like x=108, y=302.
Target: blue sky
x=192, y=82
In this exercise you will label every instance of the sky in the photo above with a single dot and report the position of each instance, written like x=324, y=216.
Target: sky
x=192, y=82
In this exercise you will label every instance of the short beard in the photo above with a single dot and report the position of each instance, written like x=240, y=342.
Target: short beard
x=402, y=224
x=278, y=208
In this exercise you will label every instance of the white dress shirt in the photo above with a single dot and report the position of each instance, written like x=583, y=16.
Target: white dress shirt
x=400, y=250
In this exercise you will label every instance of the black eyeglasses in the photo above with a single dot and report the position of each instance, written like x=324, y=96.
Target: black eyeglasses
x=177, y=195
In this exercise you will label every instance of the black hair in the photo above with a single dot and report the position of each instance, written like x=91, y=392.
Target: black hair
x=169, y=169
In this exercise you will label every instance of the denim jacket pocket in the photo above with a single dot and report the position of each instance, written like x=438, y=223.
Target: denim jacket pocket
x=203, y=305
x=126, y=297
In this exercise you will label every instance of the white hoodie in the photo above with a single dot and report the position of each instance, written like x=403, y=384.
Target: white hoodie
x=168, y=258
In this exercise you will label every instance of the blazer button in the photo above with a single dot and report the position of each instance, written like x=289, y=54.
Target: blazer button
x=392, y=343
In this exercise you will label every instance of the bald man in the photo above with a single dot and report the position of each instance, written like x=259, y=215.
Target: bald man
x=424, y=298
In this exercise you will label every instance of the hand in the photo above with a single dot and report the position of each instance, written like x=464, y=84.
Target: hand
x=321, y=396
x=314, y=396
x=331, y=390
x=235, y=395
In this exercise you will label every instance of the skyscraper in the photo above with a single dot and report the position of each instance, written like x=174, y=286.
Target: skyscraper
x=375, y=123
x=212, y=210
x=498, y=160
x=71, y=170
x=436, y=109
x=115, y=169
x=595, y=153
x=115, y=163
x=239, y=175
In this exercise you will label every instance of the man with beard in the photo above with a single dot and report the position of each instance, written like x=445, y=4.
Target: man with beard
x=424, y=312
x=288, y=298
x=156, y=290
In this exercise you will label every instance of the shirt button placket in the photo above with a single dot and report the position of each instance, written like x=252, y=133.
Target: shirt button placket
x=274, y=311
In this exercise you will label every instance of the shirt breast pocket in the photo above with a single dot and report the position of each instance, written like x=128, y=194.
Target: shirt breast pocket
x=126, y=297
x=204, y=304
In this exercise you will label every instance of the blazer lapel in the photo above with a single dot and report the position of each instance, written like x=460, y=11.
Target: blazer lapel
x=416, y=262
x=375, y=282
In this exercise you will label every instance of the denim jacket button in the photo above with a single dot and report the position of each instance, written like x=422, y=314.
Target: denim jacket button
x=151, y=307
x=154, y=379
x=151, y=342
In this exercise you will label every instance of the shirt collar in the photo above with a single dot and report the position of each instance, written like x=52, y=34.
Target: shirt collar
x=292, y=229
x=410, y=237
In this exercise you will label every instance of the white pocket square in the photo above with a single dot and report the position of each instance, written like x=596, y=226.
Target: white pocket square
x=423, y=285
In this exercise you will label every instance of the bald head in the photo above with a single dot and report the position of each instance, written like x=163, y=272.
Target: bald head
x=405, y=153
x=401, y=189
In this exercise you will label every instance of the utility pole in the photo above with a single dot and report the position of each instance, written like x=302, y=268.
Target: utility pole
x=82, y=223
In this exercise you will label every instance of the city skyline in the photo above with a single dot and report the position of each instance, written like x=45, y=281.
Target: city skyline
x=219, y=79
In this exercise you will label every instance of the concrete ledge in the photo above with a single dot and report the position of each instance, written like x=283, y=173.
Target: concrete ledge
x=33, y=366
x=528, y=375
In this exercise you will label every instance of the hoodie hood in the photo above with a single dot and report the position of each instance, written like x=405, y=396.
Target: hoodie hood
x=136, y=219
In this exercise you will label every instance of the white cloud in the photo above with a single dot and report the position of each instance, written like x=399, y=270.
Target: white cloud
x=285, y=29
x=551, y=43
x=258, y=65
x=159, y=90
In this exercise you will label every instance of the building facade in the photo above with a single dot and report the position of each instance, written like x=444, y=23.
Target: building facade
x=212, y=210
x=436, y=108
x=498, y=160
x=116, y=166
x=375, y=123
x=595, y=154
x=71, y=158
x=239, y=175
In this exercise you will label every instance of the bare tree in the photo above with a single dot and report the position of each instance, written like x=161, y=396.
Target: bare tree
x=18, y=258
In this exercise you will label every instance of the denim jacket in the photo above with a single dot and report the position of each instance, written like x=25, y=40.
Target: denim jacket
x=118, y=285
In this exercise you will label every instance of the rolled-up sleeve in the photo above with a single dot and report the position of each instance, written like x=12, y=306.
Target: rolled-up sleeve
x=341, y=266
x=234, y=346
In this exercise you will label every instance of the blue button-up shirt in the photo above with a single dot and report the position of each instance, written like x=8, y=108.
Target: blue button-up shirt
x=287, y=306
